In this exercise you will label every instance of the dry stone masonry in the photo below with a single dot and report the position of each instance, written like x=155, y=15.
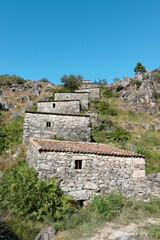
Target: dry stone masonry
x=69, y=107
x=93, y=93
x=47, y=125
x=81, y=96
x=85, y=169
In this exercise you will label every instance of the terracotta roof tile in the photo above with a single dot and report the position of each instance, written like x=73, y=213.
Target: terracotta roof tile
x=80, y=147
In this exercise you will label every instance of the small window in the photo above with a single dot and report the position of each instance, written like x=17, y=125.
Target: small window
x=54, y=105
x=78, y=164
x=48, y=124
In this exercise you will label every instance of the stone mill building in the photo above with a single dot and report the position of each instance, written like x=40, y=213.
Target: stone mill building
x=83, y=168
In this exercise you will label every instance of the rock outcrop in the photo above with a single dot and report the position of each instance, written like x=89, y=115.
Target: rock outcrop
x=140, y=92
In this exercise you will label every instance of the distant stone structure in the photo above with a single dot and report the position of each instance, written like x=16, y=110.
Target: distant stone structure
x=73, y=127
x=81, y=96
x=88, y=85
x=63, y=106
x=85, y=169
x=93, y=93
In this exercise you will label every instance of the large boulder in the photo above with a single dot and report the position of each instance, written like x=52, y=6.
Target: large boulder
x=35, y=91
x=31, y=103
x=48, y=234
x=7, y=105
x=16, y=114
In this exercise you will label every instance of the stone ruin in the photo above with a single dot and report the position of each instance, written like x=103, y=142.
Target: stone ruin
x=83, y=168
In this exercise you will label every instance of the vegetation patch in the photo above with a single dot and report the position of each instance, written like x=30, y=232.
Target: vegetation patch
x=11, y=134
x=23, y=194
x=105, y=108
x=7, y=80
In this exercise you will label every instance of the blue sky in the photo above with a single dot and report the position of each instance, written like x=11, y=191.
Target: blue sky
x=94, y=38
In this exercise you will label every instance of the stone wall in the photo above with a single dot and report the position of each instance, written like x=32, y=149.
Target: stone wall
x=86, y=81
x=81, y=96
x=71, y=107
x=94, y=93
x=99, y=173
x=68, y=127
x=88, y=85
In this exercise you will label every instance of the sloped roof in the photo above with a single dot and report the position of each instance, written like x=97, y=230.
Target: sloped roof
x=80, y=147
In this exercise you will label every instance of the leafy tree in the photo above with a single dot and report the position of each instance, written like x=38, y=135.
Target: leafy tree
x=139, y=68
x=116, y=79
x=102, y=82
x=45, y=80
x=71, y=82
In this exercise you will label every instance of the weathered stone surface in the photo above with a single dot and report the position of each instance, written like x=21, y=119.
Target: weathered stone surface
x=48, y=234
x=68, y=127
x=94, y=93
x=99, y=173
x=71, y=107
x=7, y=105
x=35, y=90
x=118, y=235
x=23, y=98
x=16, y=114
x=81, y=96
x=31, y=103
x=132, y=147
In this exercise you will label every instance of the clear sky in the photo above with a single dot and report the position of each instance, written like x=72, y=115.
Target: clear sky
x=94, y=38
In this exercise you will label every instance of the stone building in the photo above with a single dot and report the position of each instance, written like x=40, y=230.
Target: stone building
x=93, y=93
x=88, y=85
x=85, y=169
x=63, y=106
x=74, y=127
x=81, y=96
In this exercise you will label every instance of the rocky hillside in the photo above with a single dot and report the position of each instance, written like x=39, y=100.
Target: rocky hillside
x=141, y=92
x=128, y=114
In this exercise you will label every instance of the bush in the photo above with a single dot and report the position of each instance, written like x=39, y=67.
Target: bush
x=9, y=80
x=106, y=109
x=45, y=80
x=108, y=205
x=23, y=194
x=118, y=135
x=107, y=93
x=11, y=134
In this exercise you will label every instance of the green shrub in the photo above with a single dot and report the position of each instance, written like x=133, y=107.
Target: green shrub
x=2, y=138
x=107, y=93
x=9, y=80
x=156, y=75
x=59, y=90
x=106, y=109
x=138, y=84
x=117, y=95
x=118, y=135
x=108, y=205
x=23, y=194
x=11, y=134
x=152, y=159
x=154, y=232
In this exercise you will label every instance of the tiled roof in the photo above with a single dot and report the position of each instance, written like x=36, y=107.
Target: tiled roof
x=63, y=114
x=80, y=147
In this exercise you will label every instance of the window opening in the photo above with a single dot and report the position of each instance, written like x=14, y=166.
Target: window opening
x=54, y=105
x=78, y=164
x=48, y=124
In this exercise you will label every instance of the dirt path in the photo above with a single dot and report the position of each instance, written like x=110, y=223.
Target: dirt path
x=113, y=231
